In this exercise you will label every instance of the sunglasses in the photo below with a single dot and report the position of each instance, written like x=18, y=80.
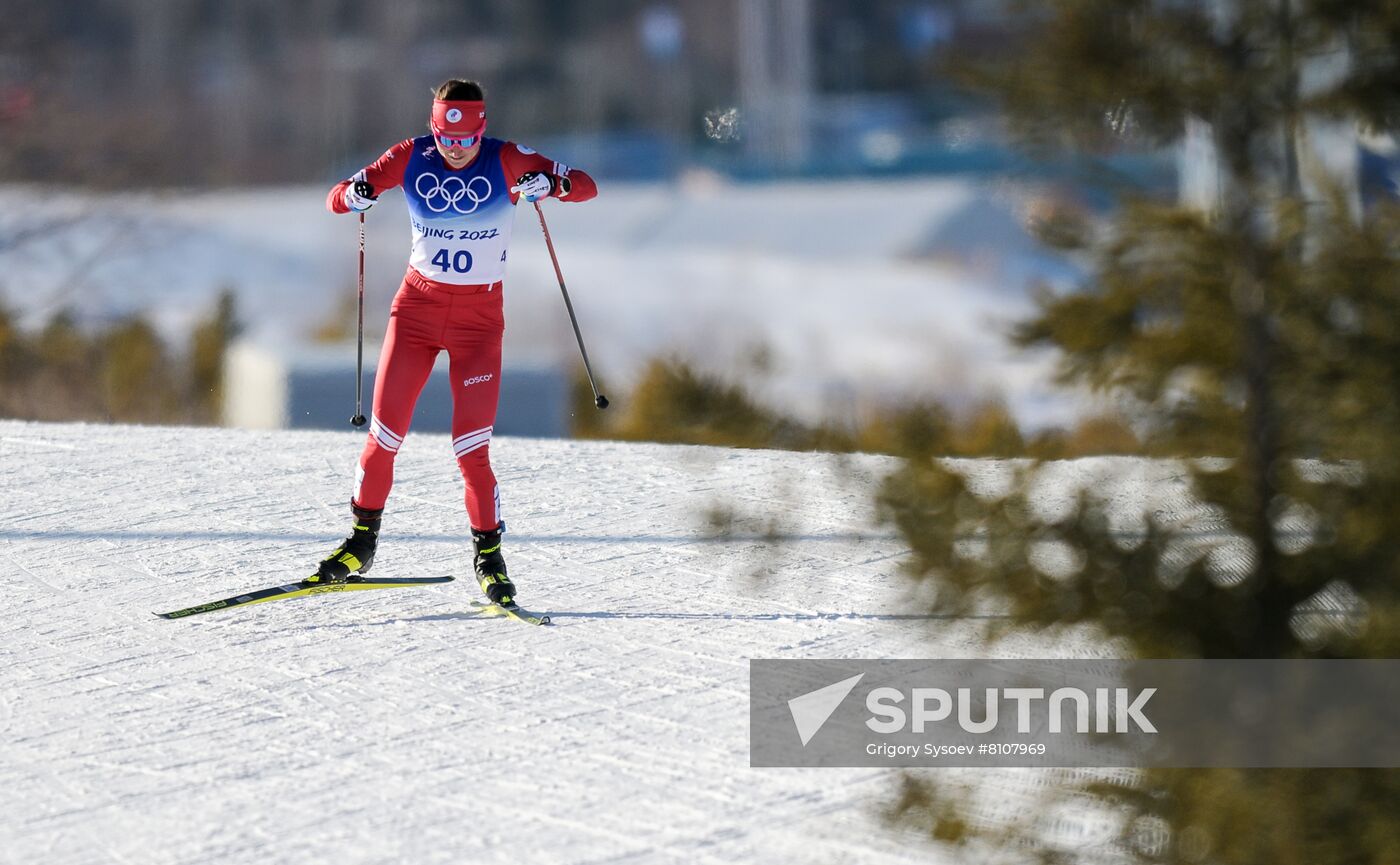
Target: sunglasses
x=449, y=143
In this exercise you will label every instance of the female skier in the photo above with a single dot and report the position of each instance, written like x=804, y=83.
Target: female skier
x=461, y=206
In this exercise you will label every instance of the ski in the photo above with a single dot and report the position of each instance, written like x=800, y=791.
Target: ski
x=301, y=590
x=510, y=612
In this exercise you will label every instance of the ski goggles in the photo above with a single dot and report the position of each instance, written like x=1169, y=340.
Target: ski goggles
x=449, y=143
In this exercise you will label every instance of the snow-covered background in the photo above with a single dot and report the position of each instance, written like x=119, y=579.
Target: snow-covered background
x=394, y=726
x=854, y=292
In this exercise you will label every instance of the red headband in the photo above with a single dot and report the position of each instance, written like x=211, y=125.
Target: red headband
x=458, y=119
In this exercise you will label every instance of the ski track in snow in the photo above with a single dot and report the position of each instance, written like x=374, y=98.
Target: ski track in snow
x=397, y=727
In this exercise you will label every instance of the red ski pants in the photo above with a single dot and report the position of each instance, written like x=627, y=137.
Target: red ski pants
x=426, y=318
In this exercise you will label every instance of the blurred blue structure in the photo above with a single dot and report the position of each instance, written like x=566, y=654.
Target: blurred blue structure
x=314, y=388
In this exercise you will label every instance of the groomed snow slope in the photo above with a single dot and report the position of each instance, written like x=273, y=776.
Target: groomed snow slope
x=392, y=726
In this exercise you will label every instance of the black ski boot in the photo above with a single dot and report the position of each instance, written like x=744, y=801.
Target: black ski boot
x=353, y=557
x=490, y=567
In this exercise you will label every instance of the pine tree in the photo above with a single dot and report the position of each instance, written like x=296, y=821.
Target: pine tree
x=56, y=373
x=1263, y=333
x=9, y=345
x=139, y=382
x=208, y=345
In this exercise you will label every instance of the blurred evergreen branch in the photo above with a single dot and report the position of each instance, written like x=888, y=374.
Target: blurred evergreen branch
x=674, y=402
x=1258, y=345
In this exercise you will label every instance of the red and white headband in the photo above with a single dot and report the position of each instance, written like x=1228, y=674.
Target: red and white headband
x=458, y=118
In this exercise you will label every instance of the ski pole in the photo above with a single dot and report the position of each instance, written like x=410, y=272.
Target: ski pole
x=598, y=399
x=359, y=419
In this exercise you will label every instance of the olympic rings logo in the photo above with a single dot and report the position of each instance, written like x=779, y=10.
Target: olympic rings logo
x=445, y=193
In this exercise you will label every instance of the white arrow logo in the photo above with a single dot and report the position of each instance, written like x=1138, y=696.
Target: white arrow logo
x=811, y=710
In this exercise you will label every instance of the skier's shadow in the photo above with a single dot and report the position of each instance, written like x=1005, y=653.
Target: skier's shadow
x=556, y=615
x=761, y=617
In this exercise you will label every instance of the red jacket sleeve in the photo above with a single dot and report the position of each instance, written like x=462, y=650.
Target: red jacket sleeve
x=383, y=174
x=576, y=185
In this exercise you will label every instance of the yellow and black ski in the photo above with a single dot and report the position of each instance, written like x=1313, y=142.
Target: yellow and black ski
x=510, y=611
x=302, y=590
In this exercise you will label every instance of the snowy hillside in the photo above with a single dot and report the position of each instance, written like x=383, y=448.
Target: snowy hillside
x=393, y=726
x=857, y=290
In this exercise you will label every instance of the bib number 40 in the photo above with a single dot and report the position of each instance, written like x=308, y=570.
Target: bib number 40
x=460, y=261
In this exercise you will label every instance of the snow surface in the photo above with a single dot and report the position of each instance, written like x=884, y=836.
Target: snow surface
x=394, y=726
